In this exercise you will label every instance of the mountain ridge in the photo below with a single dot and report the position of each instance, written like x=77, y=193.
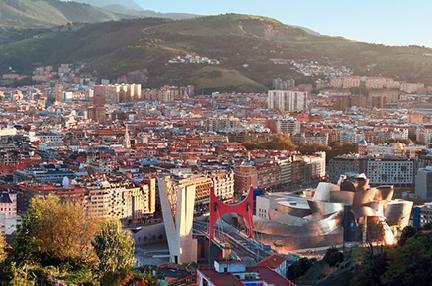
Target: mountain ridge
x=131, y=4
x=49, y=13
x=243, y=44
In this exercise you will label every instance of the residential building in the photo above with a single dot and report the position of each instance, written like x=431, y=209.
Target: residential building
x=245, y=176
x=423, y=183
x=233, y=272
x=287, y=100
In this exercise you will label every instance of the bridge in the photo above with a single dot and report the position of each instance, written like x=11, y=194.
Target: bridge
x=244, y=248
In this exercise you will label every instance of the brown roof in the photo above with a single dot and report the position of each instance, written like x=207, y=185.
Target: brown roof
x=273, y=261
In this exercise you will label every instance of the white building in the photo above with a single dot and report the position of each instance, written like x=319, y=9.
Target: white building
x=217, y=124
x=285, y=171
x=177, y=211
x=287, y=100
x=424, y=135
x=390, y=171
x=223, y=184
x=423, y=183
x=8, y=212
x=288, y=125
x=349, y=135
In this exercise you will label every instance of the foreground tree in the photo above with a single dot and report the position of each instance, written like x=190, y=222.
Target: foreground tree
x=409, y=264
x=333, y=256
x=2, y=248
x=373, y=266
x=407, y=232
x=62, y=231
x=299, y=268
x=114, y=248
x=53, y=243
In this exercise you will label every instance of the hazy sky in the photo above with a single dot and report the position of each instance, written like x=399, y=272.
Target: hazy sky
x=395, y=22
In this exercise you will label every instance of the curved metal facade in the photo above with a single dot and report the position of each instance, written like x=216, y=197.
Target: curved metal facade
x=284, y=218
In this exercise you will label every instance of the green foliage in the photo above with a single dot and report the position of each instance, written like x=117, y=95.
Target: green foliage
x=114, y=49
x=373, y=266
x=299, y=268
x=53, y=243
x=57, y=244
x=220, y=79
x=312, y=148
x=407, y=232
x=407, y=264
x=48, y=13
x=114, y=247
x=2, y=248
x=333, y=256
x=340, y=149
x=279, y=142
x=403, y=141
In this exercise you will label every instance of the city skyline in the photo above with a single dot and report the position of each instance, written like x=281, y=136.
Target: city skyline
x=384, y=22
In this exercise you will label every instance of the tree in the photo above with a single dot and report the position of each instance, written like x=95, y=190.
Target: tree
x=54, y=231
x=409, y=264
x=114, y=247
x=313, y=148
x=369, y=273
x=407, y=232
x=299, y=268
x=333, y=256
x=2, y=248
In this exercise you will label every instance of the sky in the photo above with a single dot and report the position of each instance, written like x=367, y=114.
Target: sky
x=392, y=22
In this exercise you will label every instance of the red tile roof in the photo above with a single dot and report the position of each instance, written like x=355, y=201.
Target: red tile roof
x=273, y=261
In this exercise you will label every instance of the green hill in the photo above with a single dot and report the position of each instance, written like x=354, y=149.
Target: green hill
x=129, y=4
x=49, y=13
x=243, y=44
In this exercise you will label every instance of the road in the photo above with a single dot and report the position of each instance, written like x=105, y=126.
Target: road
x=248, y=250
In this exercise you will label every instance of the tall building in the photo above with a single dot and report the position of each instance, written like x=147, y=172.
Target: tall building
x=280, y=84
x=178, y=205
x=245, y=176
x=287, y=100
x=119, y=93
x=99, y=98
x=285, y=171
x=423, y=183
x=58, y=92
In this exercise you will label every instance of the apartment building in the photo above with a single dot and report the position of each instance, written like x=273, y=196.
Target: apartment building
x=287, y=100
x=120, y=200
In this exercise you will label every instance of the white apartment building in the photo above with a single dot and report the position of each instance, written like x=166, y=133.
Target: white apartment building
x=223, y=184
x=424, y=135
x=217, y=124
x=390, y=171
x=285, y=171
x=122, y=201
x=287, y=100
x=288, y=126
x=423, y=183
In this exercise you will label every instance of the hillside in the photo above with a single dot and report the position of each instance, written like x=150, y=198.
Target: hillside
x=243, y=44
x=129, y=4
x=131, y=8
x=49, y=13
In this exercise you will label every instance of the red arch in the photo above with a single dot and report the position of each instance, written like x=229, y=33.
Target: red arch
x=243, y=208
